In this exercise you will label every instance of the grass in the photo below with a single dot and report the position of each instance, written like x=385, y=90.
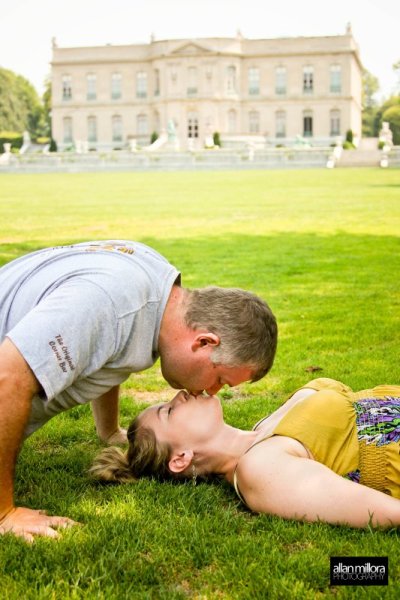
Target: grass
x=323, y=248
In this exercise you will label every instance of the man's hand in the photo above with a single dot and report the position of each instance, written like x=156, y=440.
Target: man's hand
x=106, y=416
x=118, y=437
x=26, y=523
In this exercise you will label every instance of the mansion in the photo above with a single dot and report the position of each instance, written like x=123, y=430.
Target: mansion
x=270, y=91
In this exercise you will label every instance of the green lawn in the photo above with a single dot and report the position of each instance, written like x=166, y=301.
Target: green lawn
x=323, y=248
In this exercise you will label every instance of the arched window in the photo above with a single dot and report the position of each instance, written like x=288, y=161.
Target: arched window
x=254, y=121
x=142, y=125
x=280, y=124
x=67, y=130
x=92, y=129
x=307, y=123
x=334, y=122
x=116, y=126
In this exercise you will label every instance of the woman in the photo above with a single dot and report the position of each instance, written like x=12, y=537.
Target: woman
x=328, y=454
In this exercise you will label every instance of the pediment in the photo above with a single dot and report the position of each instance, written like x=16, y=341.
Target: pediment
x=190, y=48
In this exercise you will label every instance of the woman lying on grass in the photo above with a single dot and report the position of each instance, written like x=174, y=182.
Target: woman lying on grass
x=328, y=454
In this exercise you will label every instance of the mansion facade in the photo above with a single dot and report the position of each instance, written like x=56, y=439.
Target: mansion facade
x=268, y=90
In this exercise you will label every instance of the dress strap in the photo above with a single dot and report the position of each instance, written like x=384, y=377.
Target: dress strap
x=235, y=481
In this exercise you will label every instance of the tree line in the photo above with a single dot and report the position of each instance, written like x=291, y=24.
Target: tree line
x=21, y=109
x=374, y=113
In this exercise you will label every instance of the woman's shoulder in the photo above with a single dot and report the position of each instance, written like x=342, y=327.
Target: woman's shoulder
x=259, y=470
x=326, y=383
x=265, y=456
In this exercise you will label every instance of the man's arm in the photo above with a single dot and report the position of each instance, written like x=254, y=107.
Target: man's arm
x=18, y=385
x=282, y=483
x=106, y=417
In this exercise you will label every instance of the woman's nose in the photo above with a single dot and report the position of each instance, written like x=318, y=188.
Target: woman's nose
x=181, y=396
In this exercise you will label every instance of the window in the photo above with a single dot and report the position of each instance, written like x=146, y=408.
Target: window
x=174, y=74
x=307, y=124
x=193, y=126
x=335, y=79
x=280, y=124
x=67, y=130
x=232, y=121
x=157, y=82
x=66, y=87
x=92, y=129
x=142, y=125
x=254, y=81
x=192, y=81
x=116, y=86
x=308, y=80
x=280, y=81
x=231, y=79
x=156, y=122
x=141, y=84
x=91, y=86
x=335, y=122
x=116, y=126
x=254, y=121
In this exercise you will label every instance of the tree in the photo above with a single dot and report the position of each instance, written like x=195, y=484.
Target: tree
x=46, y=99
x=392, y=115
x=396, y=69
x=370, y=86
x=20, y=106
x=385, y=113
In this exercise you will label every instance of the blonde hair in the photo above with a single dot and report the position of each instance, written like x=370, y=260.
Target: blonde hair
x=145, y=457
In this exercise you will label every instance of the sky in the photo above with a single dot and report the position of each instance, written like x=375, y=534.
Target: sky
x=28, y=26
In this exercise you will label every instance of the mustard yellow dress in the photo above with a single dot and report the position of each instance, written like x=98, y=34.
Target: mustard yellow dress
x=356, y=434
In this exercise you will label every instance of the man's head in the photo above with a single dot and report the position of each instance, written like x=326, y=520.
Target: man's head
x=223, y=336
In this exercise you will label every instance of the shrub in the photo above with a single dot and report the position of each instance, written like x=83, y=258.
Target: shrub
x=43, y=140
x=154, y=137
x=53, y=146
x=11, y=137
x=349, y=136
x=216, y=139
x=348, y=145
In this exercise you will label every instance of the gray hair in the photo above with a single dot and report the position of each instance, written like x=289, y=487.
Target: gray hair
x=244, y=323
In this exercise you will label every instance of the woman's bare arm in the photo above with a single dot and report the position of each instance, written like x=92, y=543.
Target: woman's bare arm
x=276, y=478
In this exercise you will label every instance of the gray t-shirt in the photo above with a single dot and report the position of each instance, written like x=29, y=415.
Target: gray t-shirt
x=84, y=317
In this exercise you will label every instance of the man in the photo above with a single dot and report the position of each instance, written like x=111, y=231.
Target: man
x=76, y=321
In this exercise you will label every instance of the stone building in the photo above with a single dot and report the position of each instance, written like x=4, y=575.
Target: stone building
x=269, y=91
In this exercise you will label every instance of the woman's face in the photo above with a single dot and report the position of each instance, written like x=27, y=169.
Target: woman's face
x=185, y=421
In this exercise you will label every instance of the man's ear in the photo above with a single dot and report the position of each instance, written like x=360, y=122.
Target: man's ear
x=180, y=461
x=205, y=338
